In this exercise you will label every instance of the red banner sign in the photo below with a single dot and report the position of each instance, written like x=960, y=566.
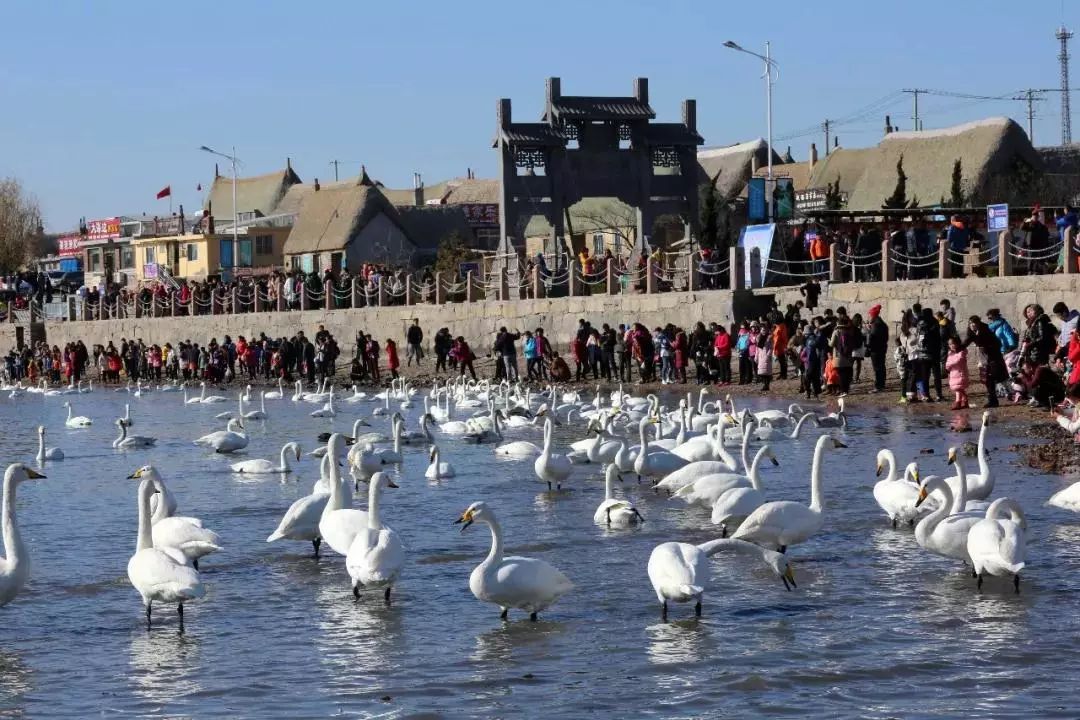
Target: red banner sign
x=69, y=245
x=103, y=229
x=481, y=214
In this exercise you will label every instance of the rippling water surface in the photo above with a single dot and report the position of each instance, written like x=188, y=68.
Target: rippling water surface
x=877, y=627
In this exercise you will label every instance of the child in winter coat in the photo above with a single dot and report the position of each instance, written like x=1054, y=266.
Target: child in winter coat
x=832, y=377
x=764, y=360
x=956, y=364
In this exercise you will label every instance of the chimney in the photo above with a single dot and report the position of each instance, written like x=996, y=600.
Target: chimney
x=836, y=142
x=689, y=114
x=216, y=173
x=888, y=125
x=418, y=189
x=813, y=155
x=317, y=185
x=641, y=89
x=288, y=164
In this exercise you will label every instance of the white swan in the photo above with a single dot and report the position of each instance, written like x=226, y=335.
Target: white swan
x=301, y=520
x=978, y=486
x=943, y=532
x=782, y=523
x=613, y=512
x=550, y=467
x=511, y=582
x=211, y=398
x=259, y=414
x=356, y=397
x=376, y=555
x=997, y=545
x=1067, y=498
x=43, y=453
x=15, y=568
x=327, y=410
x=298, y=392
x=228, y=440
x=160, y=573
x=388, y=456
x=193, y=400
x=278, y=394
x=129, y=442
x=261, y=466
x=654, y=464
x=895, y=495
x=185, y=534
x=833, y=420
x=339, y=522
x=708, y=489
x=437, y=469
x=77, y=421
x=678, y=571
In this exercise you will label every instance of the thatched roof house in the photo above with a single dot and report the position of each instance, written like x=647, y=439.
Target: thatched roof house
x=735, y=163
x=348, y=223
x=256, y=196
x=988, y=150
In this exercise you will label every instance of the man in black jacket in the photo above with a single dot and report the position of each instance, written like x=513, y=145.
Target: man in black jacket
x=878, y=347
x=505, y=346
x=413, y=337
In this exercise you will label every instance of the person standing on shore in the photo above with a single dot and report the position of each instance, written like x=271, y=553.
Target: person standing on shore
x=443, y=343
x=992, y=366
x=779, y=343
x=722, y=353
x=956, y=361
x=464, y=356
x=392, y=362
x=506, y=346
x=414, y=336
x=877, y=344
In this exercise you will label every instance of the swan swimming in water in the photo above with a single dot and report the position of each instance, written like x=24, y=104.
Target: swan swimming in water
x=129, y=442
x=613, y=512
x=43, y=454
x=77, y=421
x=511, y=582
x=228, y=440
x=262, y=466
x=15, y=568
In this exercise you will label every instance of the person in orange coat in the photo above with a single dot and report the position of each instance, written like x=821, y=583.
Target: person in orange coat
x=392, y=361
x=832, y=377
x=780, y=346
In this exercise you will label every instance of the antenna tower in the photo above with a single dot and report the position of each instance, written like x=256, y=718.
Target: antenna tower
x=1063, y=35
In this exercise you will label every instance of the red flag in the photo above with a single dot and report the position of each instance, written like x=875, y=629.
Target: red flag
x=164, y=192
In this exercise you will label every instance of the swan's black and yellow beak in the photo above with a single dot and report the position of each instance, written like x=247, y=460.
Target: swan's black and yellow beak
x=390, y=483
x=788, y=577
x=34, y=474
x=952, y=456
x=915, y=474
x=466, y=518
x=774, y=461
x=135, y=475
x=877, y=472
x=838, y=444
x=922, y=496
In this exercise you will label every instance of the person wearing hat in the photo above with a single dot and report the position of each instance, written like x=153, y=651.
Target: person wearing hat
x=878, y=346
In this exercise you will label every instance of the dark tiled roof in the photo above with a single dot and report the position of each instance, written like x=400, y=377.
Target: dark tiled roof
x=672, y=134
x=602, y=108
x=533, y=134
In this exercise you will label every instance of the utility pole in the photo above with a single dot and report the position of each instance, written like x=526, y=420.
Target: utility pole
x=825, y=126
x=335, y=164
x=1030, y=96
x=1063, y=35
x=915, y=108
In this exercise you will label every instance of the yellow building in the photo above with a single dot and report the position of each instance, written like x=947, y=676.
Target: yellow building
x=197, y=257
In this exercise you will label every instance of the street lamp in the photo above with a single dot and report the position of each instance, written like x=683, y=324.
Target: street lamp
x=770, y=68
x=232, y=159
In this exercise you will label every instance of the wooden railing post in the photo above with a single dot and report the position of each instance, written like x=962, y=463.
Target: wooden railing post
x=575, y=278
x=328, y=288
x=1068, y=250
x=504, y=284
x=234, y=298
x=1005, y=258
x=409, y=299
x=944, y=270
x=382, y=291
x=836, y=272
x=469, y=293
x=888, y=266
x=537, y=283
x=736, y=271
x=611, y=277
x=440, y=291
x=693, y=265
x=650, y=276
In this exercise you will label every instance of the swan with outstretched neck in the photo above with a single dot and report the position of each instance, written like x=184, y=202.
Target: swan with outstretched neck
x=15, y=567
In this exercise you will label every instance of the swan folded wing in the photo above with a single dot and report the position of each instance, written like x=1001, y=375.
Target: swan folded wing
x=177, y=532
x=734, y=502
x=162, y=574
x=776, y=522
x=380, y=556
x=673, y=571
x=260, y=465
x=611, y=506
x=301, y=520
x=1067, y=499
x=530, y=584
x=339, y=528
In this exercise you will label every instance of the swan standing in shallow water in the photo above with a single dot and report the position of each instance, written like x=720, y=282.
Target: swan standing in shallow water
x=15, y=568
x=944, y=532
x=376, y=555
x=129, y=442
x=998, y=545
x=301, y=520
x=262, y=466
x=782, y=523
x=895, y=495
x=613, y=512
x=160, y=573
x=339, y=522
x=43, y=453
x=185, y=534
x=511, y=582
x=678, y=571
x=78, y=421
x=551, y=467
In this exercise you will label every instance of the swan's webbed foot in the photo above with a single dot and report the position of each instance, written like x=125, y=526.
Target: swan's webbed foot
x=549, y=486
x=979, y=581
x=386, y=596
x=356, y=591
x=1016, y=583
x=532, y=617
x=663, y=610
x=505, y=614
x=640, y=517
x=894, y=523
x=180, y=614
x=316, y=543
x=148, y=616
x=697, y=609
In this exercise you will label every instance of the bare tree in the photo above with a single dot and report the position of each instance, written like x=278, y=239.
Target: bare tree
x=613, y=217
x=20, y=225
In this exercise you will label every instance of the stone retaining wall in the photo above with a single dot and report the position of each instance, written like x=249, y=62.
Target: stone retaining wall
x=479, y=321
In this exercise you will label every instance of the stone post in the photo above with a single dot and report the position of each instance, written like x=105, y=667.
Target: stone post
x=943, y=261
x=304, y=301
x=736, y=276
x=355, y=289
x=693, y=265
x=836, y=272
x=257, y=302
x=611, y=277
x=1068, y=250
x=537, y=284
x=174, y=303
x=234, y=300
x=755, y=268
x=328, y=302
x=281, y=296
x=382, y=291
x=971, y=259
x=469, y=294
x=650, y=277
x=575, y=278
x=1005, y=260
x=409, y=299
x=888, y=266
x=440, y=292
x=70, y=307
x=215, y=307
x=504, y=284
x=191, y=304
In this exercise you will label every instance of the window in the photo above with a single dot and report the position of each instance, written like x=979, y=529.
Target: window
x=264, y=244
x=93, y=260
x=151, y=255
x=243, y=253
x=127, y=258
x=294, y=262
x=598, y=244
x=192, y=252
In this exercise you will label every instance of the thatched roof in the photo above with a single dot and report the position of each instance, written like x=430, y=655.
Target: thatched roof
x=799, y=172
x=734, y=163
x=331, y=218
x=985, y=148
x=259, y=194
x=430, y=225
x=457, y=191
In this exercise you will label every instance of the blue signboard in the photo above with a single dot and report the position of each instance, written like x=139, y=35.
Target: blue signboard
x=997, y=217
x=756, y=208
x=760, y=238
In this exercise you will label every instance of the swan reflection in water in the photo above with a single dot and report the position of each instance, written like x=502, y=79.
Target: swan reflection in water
x=680, y=641
x=164, y=666
x=362, y=635
x=15, y=681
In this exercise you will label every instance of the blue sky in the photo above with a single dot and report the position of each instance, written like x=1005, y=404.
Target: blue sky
x=107, y=102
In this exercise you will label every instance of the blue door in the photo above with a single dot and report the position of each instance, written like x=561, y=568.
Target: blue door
x=226, y=254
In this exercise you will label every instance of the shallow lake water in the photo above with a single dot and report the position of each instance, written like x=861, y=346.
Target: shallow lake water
x=876, y=628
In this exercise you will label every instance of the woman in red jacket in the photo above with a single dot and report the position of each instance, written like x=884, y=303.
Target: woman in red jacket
x=1073, y=388
x=722, y=353
x=391, y=357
